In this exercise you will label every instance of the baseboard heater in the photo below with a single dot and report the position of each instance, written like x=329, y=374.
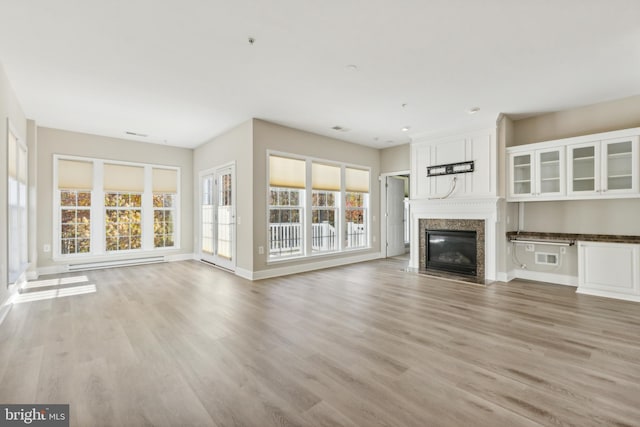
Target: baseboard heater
x=115, y=263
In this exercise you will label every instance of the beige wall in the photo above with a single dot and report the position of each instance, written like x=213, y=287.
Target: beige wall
x=233, y=146
x=269, y=136
x=603, y=117
x=10, y=111
x=54, y=141
x=395, y=159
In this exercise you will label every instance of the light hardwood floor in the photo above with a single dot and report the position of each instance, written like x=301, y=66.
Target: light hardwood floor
x=185, y=344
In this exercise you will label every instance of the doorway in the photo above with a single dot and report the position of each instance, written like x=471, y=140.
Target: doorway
x=217, y=216
x=397, y=223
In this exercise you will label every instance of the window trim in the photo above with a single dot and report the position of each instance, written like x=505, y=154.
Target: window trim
x=307, y=209
x=98, y=238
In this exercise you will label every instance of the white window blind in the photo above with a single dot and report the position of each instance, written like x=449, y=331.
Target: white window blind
x=123, y=178
x=287, y=173
x=357, y=180
x=325, y=177
x=75, y=175
x=165, y=180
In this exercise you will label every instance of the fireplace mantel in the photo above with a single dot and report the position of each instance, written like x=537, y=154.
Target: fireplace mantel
x=485, y=208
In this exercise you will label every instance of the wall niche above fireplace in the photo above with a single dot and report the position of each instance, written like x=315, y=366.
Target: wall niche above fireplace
x=452, y=248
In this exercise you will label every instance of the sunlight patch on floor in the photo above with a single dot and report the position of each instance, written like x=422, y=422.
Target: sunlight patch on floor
x=56, y=282
x=54, y=293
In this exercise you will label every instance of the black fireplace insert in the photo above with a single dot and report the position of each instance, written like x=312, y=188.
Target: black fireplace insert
x=452, y=251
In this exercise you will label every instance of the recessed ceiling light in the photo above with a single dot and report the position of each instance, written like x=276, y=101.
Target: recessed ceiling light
x=405, y=105
x=406, y=128
x=473, y=110
x=352, y=67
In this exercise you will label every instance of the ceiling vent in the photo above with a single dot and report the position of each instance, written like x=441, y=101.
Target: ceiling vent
x=142, y=135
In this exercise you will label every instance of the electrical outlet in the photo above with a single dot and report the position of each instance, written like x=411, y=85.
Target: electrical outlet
x=530, y=248
x=260, y=250
x=563, y=250
x=46, y=248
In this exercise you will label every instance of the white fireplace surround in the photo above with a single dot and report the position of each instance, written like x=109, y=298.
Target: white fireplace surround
x=485, y=209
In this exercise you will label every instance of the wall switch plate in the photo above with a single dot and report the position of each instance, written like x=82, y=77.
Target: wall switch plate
x=563, y=250
x=260, y=250
x=529, y=248
x=46, y=248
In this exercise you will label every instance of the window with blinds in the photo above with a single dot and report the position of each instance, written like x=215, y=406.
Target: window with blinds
x=165, y=189
x=17, y=196
x=75, y=187
x=330, y=209
x=107, y=207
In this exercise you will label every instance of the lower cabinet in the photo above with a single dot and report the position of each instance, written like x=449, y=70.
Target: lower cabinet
x=609, y=270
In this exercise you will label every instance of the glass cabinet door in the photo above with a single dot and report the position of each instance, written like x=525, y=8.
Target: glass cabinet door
x=521, y=176
x=619, y=165
x=584, y=161
x=550, y=171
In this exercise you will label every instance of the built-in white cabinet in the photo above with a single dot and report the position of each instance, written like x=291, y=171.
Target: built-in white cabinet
x=609, y=270
x=537, y=173
x=603, y=167
x=593, y=166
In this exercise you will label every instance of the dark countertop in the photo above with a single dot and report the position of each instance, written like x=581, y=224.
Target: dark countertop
x=610, y=238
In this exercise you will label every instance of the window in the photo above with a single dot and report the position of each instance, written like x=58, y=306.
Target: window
x=75, y=222
x=123, y=221
x=106, y=208
x=325, y=215
x=356, y=204
x=165, y=188
x=285, y=222
x=75, y=185
x=287, y=182
x=17, y=167
x=123, y=187
x=331, y=187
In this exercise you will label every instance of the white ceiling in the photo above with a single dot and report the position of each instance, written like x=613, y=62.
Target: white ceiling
x=184, y=71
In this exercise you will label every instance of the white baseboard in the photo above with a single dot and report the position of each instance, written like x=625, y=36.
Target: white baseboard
x=506, y=277
x=558, y=279
x=64, y=268
x=180, y=257
x=607, y=294
x=301, y=268
x=244, y=273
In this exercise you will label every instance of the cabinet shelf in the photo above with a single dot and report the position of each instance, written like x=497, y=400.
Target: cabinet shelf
x=582, y=159
x=588, y=178
x=550, y=179
x=619, y=155
x=522, y=181
x=550, y=162
x=620, y=176
x=523, y=165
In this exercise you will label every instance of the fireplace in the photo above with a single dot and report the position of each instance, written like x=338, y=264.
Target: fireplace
x=452, y=251
x=452, y=248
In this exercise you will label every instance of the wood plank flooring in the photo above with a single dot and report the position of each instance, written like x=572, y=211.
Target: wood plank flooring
x=185, y=344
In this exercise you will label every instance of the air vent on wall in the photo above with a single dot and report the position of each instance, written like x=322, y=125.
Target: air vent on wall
x=546, y=258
